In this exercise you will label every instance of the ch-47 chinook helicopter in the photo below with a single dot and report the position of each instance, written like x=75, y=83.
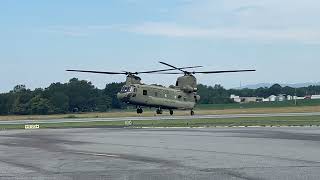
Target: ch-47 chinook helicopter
x=182, y=96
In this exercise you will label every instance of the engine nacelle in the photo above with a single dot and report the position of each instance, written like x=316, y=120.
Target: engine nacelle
x=187, y=89
x=132, y=79
x=187, y=83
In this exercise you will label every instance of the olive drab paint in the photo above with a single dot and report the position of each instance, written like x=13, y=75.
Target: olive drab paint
x=182, y=96
x=157, y=96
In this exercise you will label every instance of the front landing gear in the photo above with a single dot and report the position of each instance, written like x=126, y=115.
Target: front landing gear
x=159, y=111
x=191, y=112
x=139, y=110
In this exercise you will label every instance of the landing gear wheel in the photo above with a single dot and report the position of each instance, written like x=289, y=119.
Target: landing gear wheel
x=139, y=111
x=159, y=111
x=192, y=112
x=171, y=112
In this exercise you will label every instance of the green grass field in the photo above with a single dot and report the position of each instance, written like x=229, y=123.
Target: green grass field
x=252, y=121
x=300, y=103
x=202, y=109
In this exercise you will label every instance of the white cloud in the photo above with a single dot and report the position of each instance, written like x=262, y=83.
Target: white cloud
x=237, y=33
x=82, y=31
x=263, y=20
x=252, y=13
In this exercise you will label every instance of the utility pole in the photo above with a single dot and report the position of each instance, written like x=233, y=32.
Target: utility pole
x=295, y=96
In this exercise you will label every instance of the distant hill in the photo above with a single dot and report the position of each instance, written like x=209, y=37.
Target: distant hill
x=296, y=85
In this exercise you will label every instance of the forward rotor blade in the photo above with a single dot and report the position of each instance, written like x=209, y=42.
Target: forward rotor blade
x=126, y=73
x=217, y=72
x=97, y=72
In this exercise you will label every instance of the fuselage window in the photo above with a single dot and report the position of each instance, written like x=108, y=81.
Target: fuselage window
x=145, y=92
x=155, y=94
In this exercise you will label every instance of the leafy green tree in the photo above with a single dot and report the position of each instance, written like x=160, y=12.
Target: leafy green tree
x=213, y=95
x=19, y=88
x=79, y=93
x=39, y=105
x=60, y=102
x=288, y=90
x=262, y=92
x=275, y=89
x=111, y=91
x=4, y=104
x=20, y=100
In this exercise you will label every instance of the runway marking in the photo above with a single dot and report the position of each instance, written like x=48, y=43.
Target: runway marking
x=98, y=154
x=32, y=126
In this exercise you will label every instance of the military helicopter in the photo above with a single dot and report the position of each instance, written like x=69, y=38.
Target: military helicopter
x=182, y=96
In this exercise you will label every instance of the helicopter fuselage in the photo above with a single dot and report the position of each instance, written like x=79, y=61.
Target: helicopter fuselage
x=157, y=96
x=182, y=96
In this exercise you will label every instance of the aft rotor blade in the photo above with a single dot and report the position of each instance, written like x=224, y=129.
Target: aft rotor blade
x=172, y=66
x=97, y=72
x=172, y=73
x=162, y=70
x=217, y=72
x=210, y=72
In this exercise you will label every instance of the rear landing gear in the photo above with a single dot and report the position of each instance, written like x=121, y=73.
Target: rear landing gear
x=139, y=111
x=191, y=112
x=171, y=112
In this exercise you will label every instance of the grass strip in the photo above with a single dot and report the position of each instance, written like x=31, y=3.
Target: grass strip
x=247, y=121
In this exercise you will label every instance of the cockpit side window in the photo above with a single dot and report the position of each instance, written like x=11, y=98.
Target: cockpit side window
x=127, y=89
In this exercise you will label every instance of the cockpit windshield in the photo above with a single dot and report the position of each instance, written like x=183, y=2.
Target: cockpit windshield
x=127, y=89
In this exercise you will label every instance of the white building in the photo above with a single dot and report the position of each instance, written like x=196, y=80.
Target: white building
x=299, y=98
x=248, y=99
x=315, y=97
x=235, y=98
x=281, y=97
x=272, y=98
x=265, y=100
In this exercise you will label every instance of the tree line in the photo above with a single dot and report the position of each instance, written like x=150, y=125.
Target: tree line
x=81, y=96
x=74, y=96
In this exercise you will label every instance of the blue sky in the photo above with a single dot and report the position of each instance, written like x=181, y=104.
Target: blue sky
x=40, y=39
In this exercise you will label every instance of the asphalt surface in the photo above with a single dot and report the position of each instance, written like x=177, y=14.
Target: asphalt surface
x=169, y=154
x=160, y=118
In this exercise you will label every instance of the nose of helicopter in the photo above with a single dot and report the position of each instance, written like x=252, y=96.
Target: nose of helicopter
x=125, y=97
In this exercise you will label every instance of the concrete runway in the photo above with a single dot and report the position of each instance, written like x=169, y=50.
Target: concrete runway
x=160, y=118
x=169, y=154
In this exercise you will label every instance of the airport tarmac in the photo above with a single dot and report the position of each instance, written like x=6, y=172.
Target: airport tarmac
x=170, y=154
x=222, y=116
